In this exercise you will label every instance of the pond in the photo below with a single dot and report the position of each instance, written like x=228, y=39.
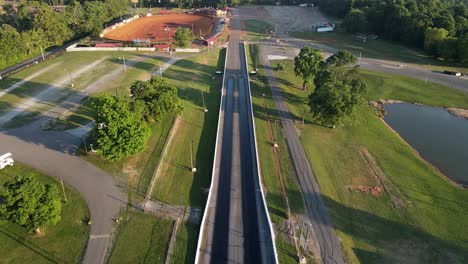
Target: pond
x=439, y=137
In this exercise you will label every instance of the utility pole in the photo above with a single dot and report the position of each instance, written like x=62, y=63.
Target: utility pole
x=160, y=71
x=192, y=166
x=303, y=114
x=427, y=74
x=63, y=190
x=203, y=100
x=84, y=141
x=360, y=57
x=125, y=65
x=42, y=53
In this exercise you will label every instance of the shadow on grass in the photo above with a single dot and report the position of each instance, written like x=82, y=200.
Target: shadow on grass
x=31, y=246
x=392, y=237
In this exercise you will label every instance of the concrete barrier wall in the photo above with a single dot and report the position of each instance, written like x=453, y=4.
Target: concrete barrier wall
x=110, y=49
x=202, y=230
x=187, y=50
x=259, y=174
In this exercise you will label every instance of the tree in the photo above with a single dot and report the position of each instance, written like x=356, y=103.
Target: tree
x=30, y=203
x=306, y=64
x=183, y=37
x=120, y=131
x=341, y=58
x=280, y=67
x=463, y=49
x=356, y=21
x=433, y=38
x=156, y=98
x=338, y=93
x=52, y=24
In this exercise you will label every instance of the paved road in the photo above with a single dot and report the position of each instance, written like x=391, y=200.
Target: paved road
x=50, y=152
x=236, y=228
x=386, y=66
x=326, y=242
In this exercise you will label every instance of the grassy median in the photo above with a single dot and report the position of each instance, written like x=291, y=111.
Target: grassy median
x=421, y=217
x=63, y=243
x=267, y=126
x=176, y=184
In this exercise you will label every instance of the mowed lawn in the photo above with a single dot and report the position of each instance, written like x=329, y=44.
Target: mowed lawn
x=379, y=49
x=176, y=184
x=141, y=239
x=432, y=227
x=269, y=170
x=62, y=243
x=63, y=71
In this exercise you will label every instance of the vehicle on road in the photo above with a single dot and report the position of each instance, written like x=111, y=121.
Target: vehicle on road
x=6, y=160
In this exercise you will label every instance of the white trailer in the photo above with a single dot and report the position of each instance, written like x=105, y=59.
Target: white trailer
x=6, y=160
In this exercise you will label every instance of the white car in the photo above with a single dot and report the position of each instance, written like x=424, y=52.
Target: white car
x=6, y=160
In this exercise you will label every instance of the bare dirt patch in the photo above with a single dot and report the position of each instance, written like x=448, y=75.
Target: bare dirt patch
x=154, y=27
x=458, y=112
x=392, y=191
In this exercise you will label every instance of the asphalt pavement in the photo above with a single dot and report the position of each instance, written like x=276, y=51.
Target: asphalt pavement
x=52, y=153
x=236, y=228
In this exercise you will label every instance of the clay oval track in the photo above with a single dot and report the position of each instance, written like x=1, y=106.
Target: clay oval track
x=153, y=26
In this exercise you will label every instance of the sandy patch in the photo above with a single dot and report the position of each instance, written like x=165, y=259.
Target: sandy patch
x=458, y=112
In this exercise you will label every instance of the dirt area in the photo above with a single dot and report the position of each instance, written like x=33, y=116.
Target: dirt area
x=458, y=112
x=285, y=18
x=153, y=27
x=395, y=195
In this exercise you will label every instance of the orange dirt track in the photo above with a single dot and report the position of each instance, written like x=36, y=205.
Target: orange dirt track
x=153, y=27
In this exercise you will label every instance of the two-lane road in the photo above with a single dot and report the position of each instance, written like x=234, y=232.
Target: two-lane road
x=236, y=227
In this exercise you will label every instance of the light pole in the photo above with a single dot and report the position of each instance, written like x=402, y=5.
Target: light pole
x=70, y=76
x=203, y=100
x=168, y=37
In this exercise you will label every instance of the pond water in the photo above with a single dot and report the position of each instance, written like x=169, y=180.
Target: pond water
x=440, y=137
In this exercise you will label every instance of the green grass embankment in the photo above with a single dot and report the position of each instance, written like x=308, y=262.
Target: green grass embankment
x=269, y=169
x=432, y=226
x=64, y=242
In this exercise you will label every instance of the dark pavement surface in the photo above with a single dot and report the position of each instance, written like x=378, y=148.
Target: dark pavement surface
x=236, y=228
x=52, y=153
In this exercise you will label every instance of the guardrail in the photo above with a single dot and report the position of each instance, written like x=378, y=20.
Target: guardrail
x=259, y=178
x=202, y=235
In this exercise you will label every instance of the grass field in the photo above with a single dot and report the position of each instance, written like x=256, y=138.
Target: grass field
x=141, y=239
x=269, y=171
x=379, y=49
x=64, y=71
x=62, y=243
x=256, y=29
x=431, y=227
x=176, y=184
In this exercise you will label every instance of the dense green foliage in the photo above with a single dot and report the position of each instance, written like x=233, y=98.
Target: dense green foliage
x=34, y=25
x=441, y=27
x=339, y=90
x=306, y=64
x=155, y=99
x=120, y=131
x=30, y=203
x=183, y=37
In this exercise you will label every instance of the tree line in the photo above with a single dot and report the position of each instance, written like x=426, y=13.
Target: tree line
x=30, y=26
x=439, y=27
